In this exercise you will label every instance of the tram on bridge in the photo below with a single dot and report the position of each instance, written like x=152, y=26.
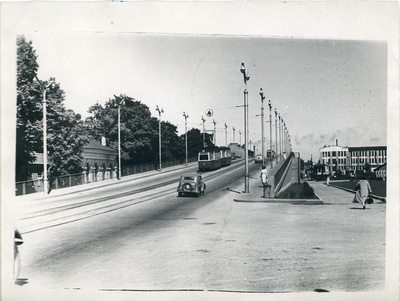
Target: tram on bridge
x=214, y=157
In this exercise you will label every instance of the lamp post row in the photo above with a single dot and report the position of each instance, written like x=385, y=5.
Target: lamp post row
x=282, y=132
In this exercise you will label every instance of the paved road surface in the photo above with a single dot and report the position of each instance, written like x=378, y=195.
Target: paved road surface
x=214, y=243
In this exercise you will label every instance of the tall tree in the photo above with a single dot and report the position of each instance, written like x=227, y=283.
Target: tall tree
x=29, y=113
x=65, y=132
x=195, y=141
x=66, y=135
x=172, y=146
x=137, y=128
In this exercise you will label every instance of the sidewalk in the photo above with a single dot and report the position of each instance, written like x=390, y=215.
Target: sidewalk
x=90, y=186
x=325, y=194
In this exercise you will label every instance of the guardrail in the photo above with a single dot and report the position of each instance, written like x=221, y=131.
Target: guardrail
x=89, y=176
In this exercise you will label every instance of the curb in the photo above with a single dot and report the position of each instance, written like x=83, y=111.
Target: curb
x=282, y=201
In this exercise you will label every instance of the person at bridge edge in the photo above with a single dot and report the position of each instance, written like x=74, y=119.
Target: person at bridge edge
x=363, y=190
x=264, y=175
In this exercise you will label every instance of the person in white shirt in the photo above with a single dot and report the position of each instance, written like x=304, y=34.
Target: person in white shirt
x=264, y=175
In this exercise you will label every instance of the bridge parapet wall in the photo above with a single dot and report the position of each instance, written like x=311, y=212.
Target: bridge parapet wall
x=279, y=174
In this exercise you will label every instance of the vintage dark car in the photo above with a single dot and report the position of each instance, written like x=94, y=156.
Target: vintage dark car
x=191, y=184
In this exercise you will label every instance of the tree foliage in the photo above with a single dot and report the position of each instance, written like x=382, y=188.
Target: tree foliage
x=65, y=133
x=195, y=141
x=139, y=131
x=29, y=112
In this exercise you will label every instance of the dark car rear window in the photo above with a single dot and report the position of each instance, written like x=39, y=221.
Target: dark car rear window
x=188, y=178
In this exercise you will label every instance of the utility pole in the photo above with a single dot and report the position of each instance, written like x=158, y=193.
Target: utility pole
x=204, y=131
x=226, y=135
x=215, y=133
x=262, y=127
x=246, y=128
x=186, y=147
x=119, y=137
x=159, y=132
x=276, y=136
x=270, y=131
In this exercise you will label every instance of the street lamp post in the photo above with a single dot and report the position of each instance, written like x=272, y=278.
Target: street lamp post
x=233, y=130
x=204, y=131
x=262, y=126
x=226, y=135
x=279, y=135
x=270, y=131
x=240, y=138
x=282, y=136
x=285, y=138
x=246, y=128
x=45, y=178
x=186, y=148
x=276, y=136
x=159, y=132
x=215, y=133
x=119, y=139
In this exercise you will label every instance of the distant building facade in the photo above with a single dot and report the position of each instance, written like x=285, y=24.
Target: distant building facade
x=335, y=158
x=372, y=155
x=350, y=160
x=96, y=157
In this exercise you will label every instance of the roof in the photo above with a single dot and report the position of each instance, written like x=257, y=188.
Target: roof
x=333, y=147
x=93, y=144
x=367, y=148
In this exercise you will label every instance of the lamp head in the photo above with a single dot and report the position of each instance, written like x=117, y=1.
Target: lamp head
x=262, y=94
x=243, y=69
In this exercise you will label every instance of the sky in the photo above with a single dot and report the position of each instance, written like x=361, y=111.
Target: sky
x=324, y=67
x=323, y=89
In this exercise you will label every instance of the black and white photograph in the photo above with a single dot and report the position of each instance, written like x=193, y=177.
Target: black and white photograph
x=200, y=150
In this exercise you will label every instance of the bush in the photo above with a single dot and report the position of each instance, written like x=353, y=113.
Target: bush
x=308, y=191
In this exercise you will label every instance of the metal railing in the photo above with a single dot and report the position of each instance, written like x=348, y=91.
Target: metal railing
x=86, y=177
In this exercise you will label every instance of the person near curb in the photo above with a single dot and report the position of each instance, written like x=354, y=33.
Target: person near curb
x=363, y=190
x=264, y=175
x=328, y=180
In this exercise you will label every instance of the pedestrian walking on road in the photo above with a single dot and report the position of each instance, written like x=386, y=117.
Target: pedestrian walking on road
x=328, y=180
x=264, y=175
x=363, y=190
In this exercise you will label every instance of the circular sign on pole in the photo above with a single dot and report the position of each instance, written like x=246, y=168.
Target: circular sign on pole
x=209, y=113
